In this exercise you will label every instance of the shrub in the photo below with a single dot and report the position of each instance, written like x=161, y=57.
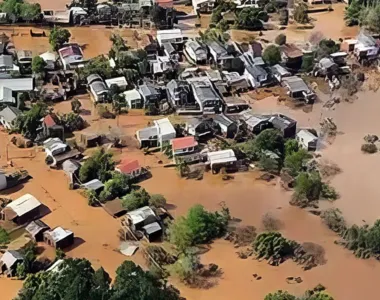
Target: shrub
x=272, y=55
x=308, y=185
x=333, y=219
x=157, y=200
x=270, y=223
x=38, y=64
x=269, y=164
x=4, y=237
x=369, y=148
x=280, y=39
x=186, y=267
x=295, y=161
x=135, y=200
x=300, y=13
x=329, y=192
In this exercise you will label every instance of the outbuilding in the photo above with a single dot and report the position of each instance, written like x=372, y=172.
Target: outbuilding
x=22, y=210
x=307, y=140
x=59, y=238
x=227, y=125
x=9, y=262
x=36, y=230
x=220, y=159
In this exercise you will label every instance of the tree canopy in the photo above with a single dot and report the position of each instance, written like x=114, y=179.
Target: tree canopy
x=272, y=55
x=99, y=166
x=38, y=64
x=28, y=122
x=58, y=37
x=295, y=161
x=97, y=65
x=117, y=186
x=4, y=237
x=300, y=13
x=76, y=279
x=251, y=18
x=135, y=199
x=18, y=9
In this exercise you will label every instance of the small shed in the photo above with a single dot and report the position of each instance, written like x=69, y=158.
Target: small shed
x=228, y=126
x=144, y=219
x=9, y=262
x=59, y=238
x=120, y=82
x=36, y=230
x=153, y=231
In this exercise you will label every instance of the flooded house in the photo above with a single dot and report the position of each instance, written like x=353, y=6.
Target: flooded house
x=149, y=94
x=97, y=87
x=203, y=6
x=9, y=262
x=132, y=168
x=205, y=94
x=279, y=73
x=284, y=124
x=134, y=99
x=71, y=168
x=36, y=230
x=172, y=36
x=71, y=56
x=255, y=123
x=160, y=133
x=291, y=55
x=170, y=52
x=298, y=89
x=24, y=57
x=93, y=185
x=11, y=86
x=366, y=48
x=219, y=53
x=8, y=117
x=6, y=64
x=59, y=238
x=180, y=96
x=227, y=125
x=233, y=105
x=221, y=159
x=22, y=210
x=50, y=58
x=256, y=76
x=236, y=82
x=195, y=52
x=184, y=147
x=201, y=127
x=120, y=82
x=145, y=222
x=50, y=127
x=307, y=140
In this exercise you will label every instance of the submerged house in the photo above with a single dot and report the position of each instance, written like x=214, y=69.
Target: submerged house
x=255, y=123
x=9, y=262
x=22, y=210
x=228, y=126
x=219, y=159
x=8, y=116
x=298, y=89
x=59, y=238
x=195, y=52
x=284, y=124
x=71, y=56
x=307, y=140
x=145, y=220
x=98, y=88
x=36, y=230
x=183, y=146
x=291, y=55
x=161, y=132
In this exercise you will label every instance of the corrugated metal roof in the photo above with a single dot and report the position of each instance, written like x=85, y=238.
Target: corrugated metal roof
x=17, y=84
x=94, y=185
x=141, y=214
x=222, y=156
x=35, y=227
x=10, y=257
x=164, y=126
x=152, y=228
x=24, y=204
x=58, y=234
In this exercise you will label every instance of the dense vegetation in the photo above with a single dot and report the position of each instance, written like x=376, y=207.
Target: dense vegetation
x=99, y=166
x=76, y=279
x=198, y=227
x=19, y=10
x=318, y=293
x=272, y=55
x=28, y=122
x=4, y=237
x=58, y=37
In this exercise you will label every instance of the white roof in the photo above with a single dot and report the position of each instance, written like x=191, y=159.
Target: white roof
x=24, y=204
x=58, y=234
x=164, y=126
x=119, y=81
x=306, y=136
x=141, y=214
x=168, y=34
x=48, y=56
x=54, y=267
x=17, y=84
x=198, y=2
x=221, y=156
x=339, y=54
x=132, y=95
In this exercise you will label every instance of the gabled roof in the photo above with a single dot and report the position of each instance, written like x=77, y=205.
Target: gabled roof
x=10, y=113
x=49, y=121
x=35, y=227
x=127, y=166
x=164, y=126
x=306, y=136
x=281, y=121
x=295, y=84
x=24, y=204
x=291, y=50
x=184, y=142
x=141, y=214
x=58, y=234
x=93, y=77
x=223, y=120
x=152, y=228
x=94, y=185
x=222, y=156
x=132, y=95
x=10, y=257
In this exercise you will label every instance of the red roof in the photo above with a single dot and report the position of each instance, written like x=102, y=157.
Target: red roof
x=127, y=166
x=165, y=3
x=70, y=51
x=184, y=142
x=49, y=121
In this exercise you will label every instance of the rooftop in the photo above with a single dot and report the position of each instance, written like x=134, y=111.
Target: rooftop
x=281, y=121
x=132, y=95
x=94, y=185
x=119, y=81
x=148, y=133
x=93, y=77
x=10, y=113
x=291, y=50
x=152, y=228
x=24, y=204
x=306, y=135
x=141, y=214
x=164, y=126
x=184, y=142
x=58, y=234
x=49, y=121
x=222, y=156
x=35, y=227
x=127, y=166
x=223, y=120
x=296, y=84
x=10, y=257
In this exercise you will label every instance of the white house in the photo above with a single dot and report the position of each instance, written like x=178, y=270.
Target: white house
x=221, y=158
x=121, y=82
x=133, y=98
x=173, y=36
x=307, y=140
x=8, y=116
x=165, y=130
x=195, y=52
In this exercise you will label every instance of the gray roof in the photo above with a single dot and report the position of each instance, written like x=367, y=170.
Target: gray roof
x=147, y=90
x=94, y=185
x=99, y=87
x=256, y=71
x=148, y=133
x=70, y=166
x=17, y=84
x=281, y=122
x=35, y=227
x=296, y=84
x=280, y=70
x=93, y=77
x=204, y=91
x=23, y=54
x=217, y=47
x=326, y=63
x=223, y=120
x=366, y=39
x=10, y=113
x=169, y=48
x=6, y=61
x=152, y=228
x=195, y=46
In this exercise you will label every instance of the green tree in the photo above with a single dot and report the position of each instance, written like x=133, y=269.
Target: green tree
x=269, y=164
x=181, y=235
x=30, y=11
x=186, y=267
x=135, y=199
x=157, y=200
x=280, y=295
x=251, y=18
x=352, y=13
x=291, y=146
x=270, y=140
x=97, y=65
x=280, y=39
x=334, y=219
x=72, y=122
x=300, y=13
x=371, y=18
x=327, y=47
x=38, y=65
x=308, y=185
x=295, y=162
x=307, y=62
x=28, y=122
x=4, y=237
x=272, y=55
x=117, y=186
x=58, y=37
x=99, y=166
x=76, y=105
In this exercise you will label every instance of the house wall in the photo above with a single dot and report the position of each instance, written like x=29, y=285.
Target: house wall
x=28, y=217
x=65, y=242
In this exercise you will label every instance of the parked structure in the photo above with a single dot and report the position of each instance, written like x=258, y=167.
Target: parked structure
x=228, y=126
x=8, y=117
x=221, y=159
x=71, y=56
x=22, y=210
x=36, y=230
x=133, y=98
x=59, y=238
x=307, y=140
x=298, y=89
x=9, y=262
